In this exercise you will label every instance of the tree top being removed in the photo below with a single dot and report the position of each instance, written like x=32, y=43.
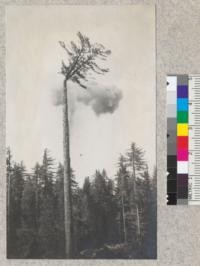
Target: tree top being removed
x=82, y=57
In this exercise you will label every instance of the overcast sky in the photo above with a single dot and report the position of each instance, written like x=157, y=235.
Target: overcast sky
x=33, y=60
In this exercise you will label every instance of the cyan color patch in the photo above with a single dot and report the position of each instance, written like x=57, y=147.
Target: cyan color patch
x=182, y=104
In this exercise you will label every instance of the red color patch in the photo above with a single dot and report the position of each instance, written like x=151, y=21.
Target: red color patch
x=182, y=142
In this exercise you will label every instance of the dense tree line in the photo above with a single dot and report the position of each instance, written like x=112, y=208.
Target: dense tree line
x=112, y=217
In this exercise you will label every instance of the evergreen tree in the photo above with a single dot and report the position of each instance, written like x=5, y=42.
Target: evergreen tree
x=47, y=174
x=136, y=164
x=37, y=181
x=77, y=212
x=122, y=196
x=28, y=233
x=103, y=206
x=31, y=201
x=110, y=210
x=99, y=216
x=47, y=227
x=151, y=239
x=147, y=202
x=16, y=191
x=59, y=212
x=87, y=206
x=144, y=203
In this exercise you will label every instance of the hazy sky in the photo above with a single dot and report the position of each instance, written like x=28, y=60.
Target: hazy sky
x=33, y=60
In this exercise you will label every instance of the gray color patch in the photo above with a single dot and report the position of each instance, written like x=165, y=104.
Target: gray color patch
x=171, y=141
x=171, y=148
x=182, y=79
x=171, y=97
x=171, y=123
x=171, y=135
x=171, y=110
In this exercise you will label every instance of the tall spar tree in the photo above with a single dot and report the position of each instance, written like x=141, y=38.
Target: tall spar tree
x=83, y=57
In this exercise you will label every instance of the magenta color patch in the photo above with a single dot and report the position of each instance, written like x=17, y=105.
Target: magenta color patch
x=182, y=155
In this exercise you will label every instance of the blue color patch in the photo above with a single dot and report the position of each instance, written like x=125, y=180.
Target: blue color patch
x=182, y=104
x=182, y=91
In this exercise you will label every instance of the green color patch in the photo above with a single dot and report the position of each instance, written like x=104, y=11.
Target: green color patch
x=182, y=117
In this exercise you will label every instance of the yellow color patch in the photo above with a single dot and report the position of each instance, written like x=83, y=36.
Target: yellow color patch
x=182, y=129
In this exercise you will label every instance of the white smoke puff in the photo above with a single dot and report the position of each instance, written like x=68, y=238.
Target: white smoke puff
x=102, y=99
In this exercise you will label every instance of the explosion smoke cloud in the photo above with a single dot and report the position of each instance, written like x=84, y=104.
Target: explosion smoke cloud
x=102, y=99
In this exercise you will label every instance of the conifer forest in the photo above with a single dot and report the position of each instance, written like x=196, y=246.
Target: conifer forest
x=113, y=217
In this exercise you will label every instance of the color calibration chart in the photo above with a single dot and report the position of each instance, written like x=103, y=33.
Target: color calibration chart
x=183, y=139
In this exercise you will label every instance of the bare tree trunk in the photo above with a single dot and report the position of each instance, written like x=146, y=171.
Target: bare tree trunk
x=138, y=222
x=135, y=196
x=67, y=180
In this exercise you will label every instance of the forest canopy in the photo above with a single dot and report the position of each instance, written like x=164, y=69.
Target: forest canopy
x=113, y=217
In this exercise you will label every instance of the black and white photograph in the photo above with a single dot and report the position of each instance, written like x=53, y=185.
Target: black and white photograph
x=81, y=132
